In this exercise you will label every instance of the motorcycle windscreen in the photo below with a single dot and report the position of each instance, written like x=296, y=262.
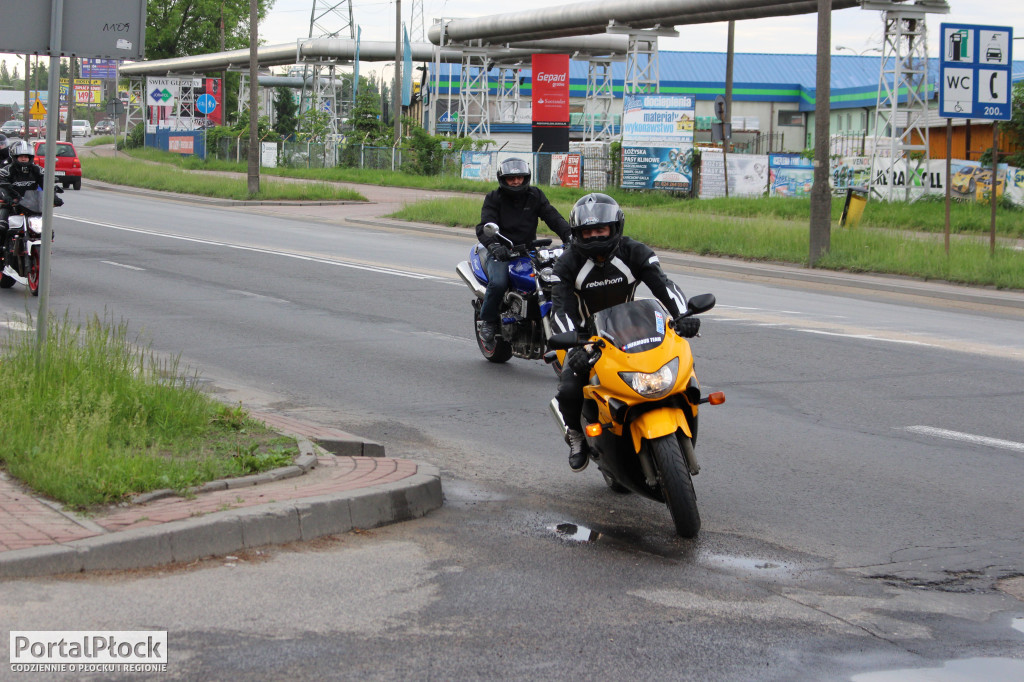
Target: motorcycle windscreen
x=32, y=201
x=634, y=326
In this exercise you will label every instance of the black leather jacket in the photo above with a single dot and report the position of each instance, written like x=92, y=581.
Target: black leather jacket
x=517, y=215
x=586, y=286
x=16, y=179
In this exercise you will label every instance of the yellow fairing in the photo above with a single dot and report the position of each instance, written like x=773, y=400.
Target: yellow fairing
x=657, y=423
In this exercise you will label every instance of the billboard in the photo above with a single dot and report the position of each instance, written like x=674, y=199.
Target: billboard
x=748, y=174
x=665, y=120
x=99, y=68
x=550, y=102
x=550, y=88
x=666, y=168
x=789, y=175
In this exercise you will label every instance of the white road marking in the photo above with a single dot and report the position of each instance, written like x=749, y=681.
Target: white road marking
x=122, y=265
x=967, y=438
x=14, y=325
x=275, y=252
x=259, y=296
x=865, y=337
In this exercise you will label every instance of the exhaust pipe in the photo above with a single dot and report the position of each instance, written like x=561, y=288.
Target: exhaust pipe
x=556, y=414
x=466, y=273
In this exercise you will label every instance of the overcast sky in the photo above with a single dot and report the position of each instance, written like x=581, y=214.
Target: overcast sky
x=854, y=28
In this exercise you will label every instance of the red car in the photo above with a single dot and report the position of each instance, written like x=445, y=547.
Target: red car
x=68, y=169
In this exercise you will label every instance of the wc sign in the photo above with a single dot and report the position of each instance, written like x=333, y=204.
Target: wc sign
x=975, y=73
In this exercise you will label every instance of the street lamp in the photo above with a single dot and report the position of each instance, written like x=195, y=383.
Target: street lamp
x=859, y=54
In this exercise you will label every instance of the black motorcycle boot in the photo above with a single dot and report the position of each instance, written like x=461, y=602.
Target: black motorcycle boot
x=578, y=458
x=487, y=331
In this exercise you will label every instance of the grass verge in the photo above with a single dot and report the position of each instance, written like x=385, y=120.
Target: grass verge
x=122, y=170
x=96, y=419
x=778, y=232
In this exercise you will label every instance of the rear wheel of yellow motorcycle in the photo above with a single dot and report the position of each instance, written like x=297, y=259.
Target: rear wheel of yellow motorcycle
x=676, y=485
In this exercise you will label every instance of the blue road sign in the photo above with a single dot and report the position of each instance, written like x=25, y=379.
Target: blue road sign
x=975, y=73
x=206, y=104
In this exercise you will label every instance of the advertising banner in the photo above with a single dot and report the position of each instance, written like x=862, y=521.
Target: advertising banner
x=477, y=166
x=565, y=170
x=87, y=91
x=789, y=175
x=666, y=168
x=748, y=174
x=550, y=86
x=662, y=120
x=99, y=68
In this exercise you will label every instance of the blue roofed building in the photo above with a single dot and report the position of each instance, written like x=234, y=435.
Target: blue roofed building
x=773, y=97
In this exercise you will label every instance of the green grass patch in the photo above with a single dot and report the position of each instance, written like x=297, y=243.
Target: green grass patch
x=778, y=230
x=98, y=418
x=122, y=170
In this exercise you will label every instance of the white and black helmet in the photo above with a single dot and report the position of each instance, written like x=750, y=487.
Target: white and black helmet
x=595, y=210
x=513, y=167
x=22, y=148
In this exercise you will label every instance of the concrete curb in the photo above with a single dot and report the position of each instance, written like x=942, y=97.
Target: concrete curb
x=303, y=462
x=235, y=530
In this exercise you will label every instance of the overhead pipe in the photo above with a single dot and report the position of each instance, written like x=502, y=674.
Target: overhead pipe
x=594, y=17
x=369, y=51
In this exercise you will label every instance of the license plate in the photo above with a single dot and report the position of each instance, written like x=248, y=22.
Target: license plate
x=57, y=172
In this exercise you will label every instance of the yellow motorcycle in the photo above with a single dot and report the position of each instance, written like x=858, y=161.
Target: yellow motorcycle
x=640, y=406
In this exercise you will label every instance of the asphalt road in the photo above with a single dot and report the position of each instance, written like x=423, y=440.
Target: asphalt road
x=859, y=491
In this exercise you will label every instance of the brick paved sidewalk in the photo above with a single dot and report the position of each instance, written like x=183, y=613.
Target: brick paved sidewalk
x=27, y=521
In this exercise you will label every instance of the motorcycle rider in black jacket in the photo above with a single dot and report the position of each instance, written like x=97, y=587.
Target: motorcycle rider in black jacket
x=600, y=269
x=5, y=153
x=16, y=178
x=515, y=208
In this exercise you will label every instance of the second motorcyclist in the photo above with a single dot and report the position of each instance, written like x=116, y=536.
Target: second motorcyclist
x=19, y=176
x=600, y=269
x=516, y=208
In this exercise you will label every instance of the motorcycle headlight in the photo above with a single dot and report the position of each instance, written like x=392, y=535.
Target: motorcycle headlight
x=548, y=276
x=653, y=384
x=35, y=224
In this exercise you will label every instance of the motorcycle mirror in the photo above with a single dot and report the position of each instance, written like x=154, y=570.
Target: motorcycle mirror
x=701, y=303
x=564, y=341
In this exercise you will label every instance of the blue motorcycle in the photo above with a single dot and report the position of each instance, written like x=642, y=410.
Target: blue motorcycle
x=525, y=309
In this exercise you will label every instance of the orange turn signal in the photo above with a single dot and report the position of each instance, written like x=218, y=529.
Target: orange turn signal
x=593, y=430
x=716, y=398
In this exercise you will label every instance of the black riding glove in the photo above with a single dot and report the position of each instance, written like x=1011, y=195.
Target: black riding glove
x=580, y=361
x=499, y=251
x=687, y=327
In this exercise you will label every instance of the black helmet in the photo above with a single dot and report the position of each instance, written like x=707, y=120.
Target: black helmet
x=595, y=210
x=22, y=148
x=3, y=141
x=513, y=167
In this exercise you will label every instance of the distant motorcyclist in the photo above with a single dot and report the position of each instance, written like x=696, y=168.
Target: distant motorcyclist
x=19, y=176
x=600, y=269
x=515, y=207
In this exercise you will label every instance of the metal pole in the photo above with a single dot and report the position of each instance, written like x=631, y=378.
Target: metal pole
x=949, y=170
x=396, y=94
x=254, y=159
x=821, y=198
x=726, y=131
x=994, y=185
x=52, y=122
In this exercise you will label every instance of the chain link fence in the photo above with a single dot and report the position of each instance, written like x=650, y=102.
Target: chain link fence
x=595, y=168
